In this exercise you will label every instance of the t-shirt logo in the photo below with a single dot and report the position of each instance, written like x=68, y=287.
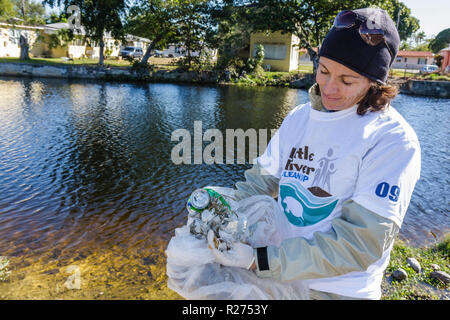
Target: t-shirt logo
x=307, y=206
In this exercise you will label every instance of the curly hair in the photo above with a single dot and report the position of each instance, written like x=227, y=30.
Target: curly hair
x=377, y=98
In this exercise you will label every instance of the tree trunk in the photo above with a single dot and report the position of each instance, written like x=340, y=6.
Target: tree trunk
x=101, y=55
x=146, y=56
x=314, y=58
x=24, y=47
x=150, y=47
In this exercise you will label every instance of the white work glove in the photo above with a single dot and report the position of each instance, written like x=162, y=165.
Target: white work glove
x=240, y=255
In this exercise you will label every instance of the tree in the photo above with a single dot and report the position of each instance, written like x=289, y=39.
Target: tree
x=6, y=10
x=192, y=19
x=407, y=25
x=419, y=37
x=311, y=20
x=231, y=30
x=182, y=21
x=55, y=17
x=98, y=17
x=152, y=19
x=441, y=41
x=29, y=12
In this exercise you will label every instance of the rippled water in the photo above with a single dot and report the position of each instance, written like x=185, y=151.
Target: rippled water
x=86, y=177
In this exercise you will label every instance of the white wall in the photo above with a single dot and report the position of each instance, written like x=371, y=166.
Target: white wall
x=411, y=62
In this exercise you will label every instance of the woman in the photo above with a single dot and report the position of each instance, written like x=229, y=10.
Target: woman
x=343, y=167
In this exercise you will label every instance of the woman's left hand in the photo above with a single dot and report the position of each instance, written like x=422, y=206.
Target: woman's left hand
x=240, y=255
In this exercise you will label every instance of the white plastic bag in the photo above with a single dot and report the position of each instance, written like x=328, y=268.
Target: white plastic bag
x=193, y=273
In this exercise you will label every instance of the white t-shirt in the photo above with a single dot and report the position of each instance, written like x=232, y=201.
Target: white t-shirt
x=325, y=158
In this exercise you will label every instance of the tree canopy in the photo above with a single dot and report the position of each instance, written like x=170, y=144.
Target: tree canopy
x=311, y=20
x=441, y=41
x=27, y=12
x=98, y=17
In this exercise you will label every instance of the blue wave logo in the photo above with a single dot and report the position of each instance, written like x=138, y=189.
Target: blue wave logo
x=302, y=208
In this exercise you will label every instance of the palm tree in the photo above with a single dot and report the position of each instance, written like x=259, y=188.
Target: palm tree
x=419, y=37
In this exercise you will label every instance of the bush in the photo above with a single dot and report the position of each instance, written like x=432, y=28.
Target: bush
x=254, y=65
x=140, y=67
x=236, y=67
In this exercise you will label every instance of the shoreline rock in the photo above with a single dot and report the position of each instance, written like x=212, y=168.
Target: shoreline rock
x=400, y=274
x=414, y=264
x=441, y=276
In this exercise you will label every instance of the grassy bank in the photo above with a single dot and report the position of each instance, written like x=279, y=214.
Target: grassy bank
x=267, y=78
x=65, y=62
x=417, y=286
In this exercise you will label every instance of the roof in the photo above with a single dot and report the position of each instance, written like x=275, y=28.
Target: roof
x=412, y=54
x=9, y=25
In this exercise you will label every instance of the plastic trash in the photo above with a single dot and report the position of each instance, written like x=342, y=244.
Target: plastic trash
x=193, y=273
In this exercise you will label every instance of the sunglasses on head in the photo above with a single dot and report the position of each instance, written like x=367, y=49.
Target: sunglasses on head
x=372, y=36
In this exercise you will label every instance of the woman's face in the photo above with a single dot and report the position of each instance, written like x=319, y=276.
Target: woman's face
x=340, y=87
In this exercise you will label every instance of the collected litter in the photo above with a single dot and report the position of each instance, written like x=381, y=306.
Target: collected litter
x=191, y=268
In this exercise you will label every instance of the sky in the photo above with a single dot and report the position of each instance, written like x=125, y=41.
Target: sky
x=434, y=15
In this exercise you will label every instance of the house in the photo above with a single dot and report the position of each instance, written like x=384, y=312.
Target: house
x=281, y=51
x=10, y=39
x=446, y=54
x=412, y=59
x=79, y=47
x=179, y=50
x=40, y=39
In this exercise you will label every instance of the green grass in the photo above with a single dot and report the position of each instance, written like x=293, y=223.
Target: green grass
x=400, y=73
x=418, y=286
x=59, y=61
x=435, y=76
x=305, y=68
x=270, y=78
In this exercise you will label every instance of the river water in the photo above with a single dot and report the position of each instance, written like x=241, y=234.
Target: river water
x=90, y=197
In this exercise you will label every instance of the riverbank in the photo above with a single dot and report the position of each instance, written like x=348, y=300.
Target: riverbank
x=20, y=280
x=419, y=269
x=298, y=80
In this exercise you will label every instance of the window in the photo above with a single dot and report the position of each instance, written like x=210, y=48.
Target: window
x=14, y=36
x=421, y=61
x=406, y=59
x=272, y=51
x=399, y=59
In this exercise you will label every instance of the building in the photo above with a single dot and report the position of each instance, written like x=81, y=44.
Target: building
x=79, y=47
x=281, y=51
x=179, y=50
x=412, y=59
x=40, y=39
x=10, y=39
x=445, y=53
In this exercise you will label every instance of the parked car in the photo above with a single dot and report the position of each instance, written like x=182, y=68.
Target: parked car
x=429, y=68
x=158, y=53
x=133, y=52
